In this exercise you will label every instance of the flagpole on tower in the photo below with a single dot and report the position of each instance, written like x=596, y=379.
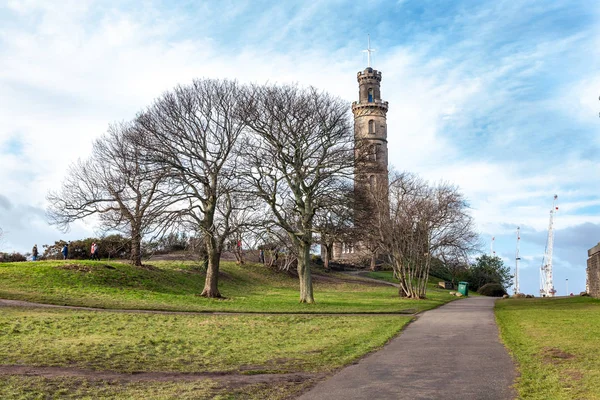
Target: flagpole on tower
x=369, y=50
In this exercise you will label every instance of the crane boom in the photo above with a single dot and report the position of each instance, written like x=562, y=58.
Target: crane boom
x=517, y=258
x=546, y=283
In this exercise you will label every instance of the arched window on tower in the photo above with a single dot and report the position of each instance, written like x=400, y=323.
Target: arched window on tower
x=371, y=153
x=370, y=95
x=376, y=152
x=371, y=127
x=372, y=181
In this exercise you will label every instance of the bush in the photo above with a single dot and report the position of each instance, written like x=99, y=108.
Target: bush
x=112, y=246
x=492, y=289
x=13, y=257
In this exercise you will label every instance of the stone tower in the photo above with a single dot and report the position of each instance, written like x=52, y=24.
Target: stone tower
x=371, y=159
x=370, y=137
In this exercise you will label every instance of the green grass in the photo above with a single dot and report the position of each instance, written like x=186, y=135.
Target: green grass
x=556, y=343
x=128, y=342
x=124, y=342
x=175, y=286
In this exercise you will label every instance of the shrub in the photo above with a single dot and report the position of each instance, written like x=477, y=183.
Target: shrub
x=487, y=269
x=492, y=289
x=316, y=259
x=112, y=246
x=13, y=257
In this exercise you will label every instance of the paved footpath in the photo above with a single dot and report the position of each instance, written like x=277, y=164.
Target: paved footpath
x=452, y=352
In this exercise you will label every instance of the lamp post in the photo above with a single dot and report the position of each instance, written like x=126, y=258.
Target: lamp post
x=567, y=283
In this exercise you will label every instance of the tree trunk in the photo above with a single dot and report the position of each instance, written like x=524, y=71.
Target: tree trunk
x=373, y=266
x=211, y=288
x=136, y=249
x=328, y=248
x=306, y=289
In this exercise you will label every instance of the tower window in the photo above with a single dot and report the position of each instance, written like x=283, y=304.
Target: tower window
x=371, y=95
x=372, y=181
x=371, y=153
x=371, y=126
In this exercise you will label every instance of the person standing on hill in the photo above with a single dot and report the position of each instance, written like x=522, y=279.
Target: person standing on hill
x=34, y=253
x=95, y=251
x=65, y=251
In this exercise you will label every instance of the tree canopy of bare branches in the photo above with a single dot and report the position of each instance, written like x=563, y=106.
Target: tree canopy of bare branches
x=420, y=222
x=334, y=223
x=114, y=183
x=193, y=131
x=297, y=152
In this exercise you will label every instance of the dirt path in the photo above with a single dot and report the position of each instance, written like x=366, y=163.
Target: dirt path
x=224, y=378
x=22, y=303
x=452, y=352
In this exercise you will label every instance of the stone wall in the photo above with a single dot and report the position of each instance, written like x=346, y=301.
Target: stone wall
x=593, y=271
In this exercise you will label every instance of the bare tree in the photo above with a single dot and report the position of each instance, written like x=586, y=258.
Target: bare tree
x=127, y=194
x=279, y=250
x=421, y=222
x=247, y=220
x=192, y=131
x=299, y=148
x=455, y=262
x=334, y=223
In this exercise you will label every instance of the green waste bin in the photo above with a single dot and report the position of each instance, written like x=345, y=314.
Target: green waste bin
x=463, y=288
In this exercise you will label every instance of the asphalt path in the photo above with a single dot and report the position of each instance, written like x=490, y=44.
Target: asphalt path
x=452, y=352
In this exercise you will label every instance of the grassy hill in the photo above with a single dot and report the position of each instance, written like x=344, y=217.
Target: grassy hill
x=173, y=285
x=556, y=343
x=69, y=353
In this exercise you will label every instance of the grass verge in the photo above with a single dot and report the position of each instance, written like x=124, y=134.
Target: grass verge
x=556, y=342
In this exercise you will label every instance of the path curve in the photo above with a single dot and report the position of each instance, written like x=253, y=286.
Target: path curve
x=452, y=352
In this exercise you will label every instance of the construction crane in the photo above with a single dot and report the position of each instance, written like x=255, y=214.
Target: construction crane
x=546, y=284
x=517, y=259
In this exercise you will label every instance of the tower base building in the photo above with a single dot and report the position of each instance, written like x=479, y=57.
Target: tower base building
x=592, y=286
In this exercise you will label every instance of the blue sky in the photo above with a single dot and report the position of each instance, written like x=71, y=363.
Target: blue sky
x=498, y=97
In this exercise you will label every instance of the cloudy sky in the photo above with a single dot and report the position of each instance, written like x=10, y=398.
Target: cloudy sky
x=499, y=97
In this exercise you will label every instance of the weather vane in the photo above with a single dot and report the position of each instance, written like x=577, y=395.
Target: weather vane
x=369, y=50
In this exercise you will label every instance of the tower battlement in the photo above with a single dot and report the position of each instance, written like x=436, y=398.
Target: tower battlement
x=368, y=74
